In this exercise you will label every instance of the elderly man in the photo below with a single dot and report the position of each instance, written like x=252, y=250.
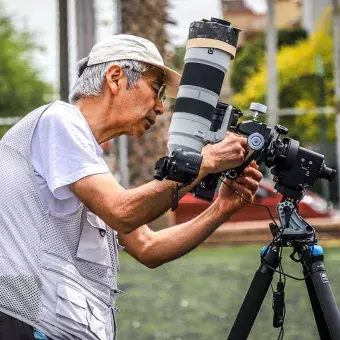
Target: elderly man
x=63, y=216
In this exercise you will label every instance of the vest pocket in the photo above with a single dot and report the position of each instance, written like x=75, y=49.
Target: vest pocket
x=96, y=321
x=93, y=244
x=80, y=313
x=74, y=305
x=71, y=304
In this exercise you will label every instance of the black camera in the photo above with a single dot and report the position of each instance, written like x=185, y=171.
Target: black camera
x=294, y=167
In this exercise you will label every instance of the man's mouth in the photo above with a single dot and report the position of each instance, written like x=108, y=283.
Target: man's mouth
x=152, y=122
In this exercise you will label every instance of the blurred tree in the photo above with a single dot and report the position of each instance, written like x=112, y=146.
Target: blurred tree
x=147, y=19
x=177, y=59
x=298, y=82
x=250, y=56
x=21, y=88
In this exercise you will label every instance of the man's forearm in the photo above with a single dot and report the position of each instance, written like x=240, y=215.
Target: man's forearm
x=149, y=201
x=126, y=210
x=171, y=243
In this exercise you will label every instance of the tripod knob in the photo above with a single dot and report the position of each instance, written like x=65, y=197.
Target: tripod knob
x=281, y=130
x=258, y=109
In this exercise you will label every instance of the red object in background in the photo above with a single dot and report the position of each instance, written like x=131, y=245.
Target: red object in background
x=106, y=148
x=312, y=205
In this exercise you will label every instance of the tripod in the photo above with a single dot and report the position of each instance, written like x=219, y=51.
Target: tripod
x=297, y=233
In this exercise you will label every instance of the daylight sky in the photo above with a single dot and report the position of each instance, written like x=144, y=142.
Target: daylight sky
x=44, y=24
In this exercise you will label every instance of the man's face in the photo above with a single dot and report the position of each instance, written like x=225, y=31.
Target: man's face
x=142, y=104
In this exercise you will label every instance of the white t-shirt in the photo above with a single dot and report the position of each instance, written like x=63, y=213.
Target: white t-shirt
x=63, y=150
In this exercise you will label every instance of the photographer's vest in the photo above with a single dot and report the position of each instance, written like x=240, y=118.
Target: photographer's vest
x=58, y=272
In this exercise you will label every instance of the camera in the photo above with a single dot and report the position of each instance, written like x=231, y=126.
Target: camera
x=294, y=167
x=199, y=118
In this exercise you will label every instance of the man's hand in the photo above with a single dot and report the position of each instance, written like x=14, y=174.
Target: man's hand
x=247, y=185
x=155, y=248
x=227, y=154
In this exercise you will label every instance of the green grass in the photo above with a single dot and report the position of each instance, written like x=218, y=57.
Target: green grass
x=198, y=296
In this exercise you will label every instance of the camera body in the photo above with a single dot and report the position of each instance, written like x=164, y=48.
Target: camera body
x=294, y=167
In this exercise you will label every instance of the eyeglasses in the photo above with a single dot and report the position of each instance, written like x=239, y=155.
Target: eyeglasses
x=160, y=92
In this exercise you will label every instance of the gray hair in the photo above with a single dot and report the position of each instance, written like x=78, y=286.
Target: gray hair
x=91, y=79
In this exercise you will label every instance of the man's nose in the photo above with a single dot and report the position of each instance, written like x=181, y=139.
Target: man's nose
x=159, y=108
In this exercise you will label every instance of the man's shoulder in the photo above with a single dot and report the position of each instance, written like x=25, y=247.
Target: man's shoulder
x=61, y=114
x=62, y=110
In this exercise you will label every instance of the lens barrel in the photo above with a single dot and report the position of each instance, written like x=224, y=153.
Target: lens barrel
x=211, y=45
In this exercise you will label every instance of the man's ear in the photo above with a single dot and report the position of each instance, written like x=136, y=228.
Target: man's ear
x=114, y=74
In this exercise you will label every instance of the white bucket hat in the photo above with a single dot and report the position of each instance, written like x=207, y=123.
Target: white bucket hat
x=125, y=46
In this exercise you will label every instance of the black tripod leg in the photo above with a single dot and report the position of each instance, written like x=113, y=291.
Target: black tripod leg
x=254, y=297
x=325, y=310
x=317, y=310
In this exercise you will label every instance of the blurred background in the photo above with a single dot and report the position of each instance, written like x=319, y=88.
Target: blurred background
x=288, y=58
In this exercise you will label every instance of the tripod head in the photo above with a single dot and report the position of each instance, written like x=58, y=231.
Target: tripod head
x=294, y=168
x=292, y=230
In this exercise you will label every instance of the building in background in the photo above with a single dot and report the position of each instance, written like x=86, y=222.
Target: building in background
x=243, y=16
x=288, y=13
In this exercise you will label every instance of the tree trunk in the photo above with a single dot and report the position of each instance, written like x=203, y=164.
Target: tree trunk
x=147, y=19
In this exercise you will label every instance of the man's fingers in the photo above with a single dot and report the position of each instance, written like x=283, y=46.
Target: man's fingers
x=243, y=140
x=244, y=191
x=248, y=182
x=252, y=173
x=254, y=165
